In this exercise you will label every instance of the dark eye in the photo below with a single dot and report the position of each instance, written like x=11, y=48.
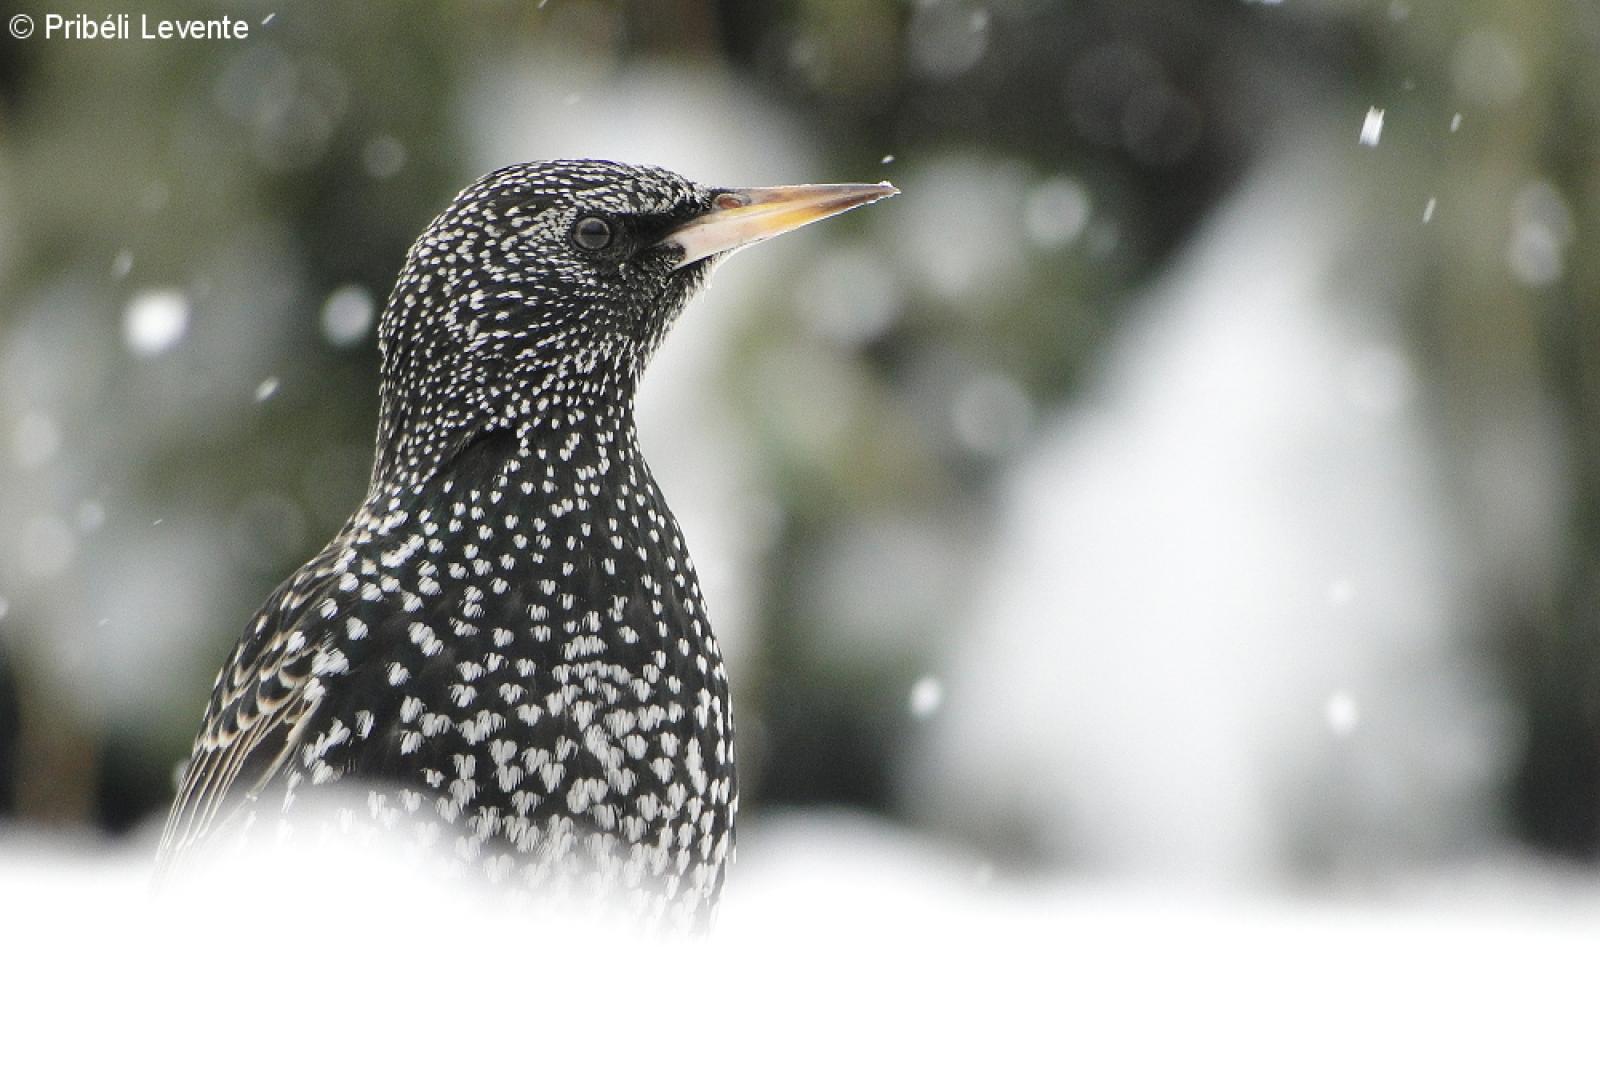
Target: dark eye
x=591, y=233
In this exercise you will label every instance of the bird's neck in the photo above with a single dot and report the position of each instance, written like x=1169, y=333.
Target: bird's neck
x=543, y=406
x=556, y=457
x=568, y=503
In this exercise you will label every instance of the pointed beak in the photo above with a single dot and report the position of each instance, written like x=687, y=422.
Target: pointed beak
x=741, y=217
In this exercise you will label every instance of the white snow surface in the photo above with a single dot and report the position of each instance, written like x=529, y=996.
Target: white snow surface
x=841, y=940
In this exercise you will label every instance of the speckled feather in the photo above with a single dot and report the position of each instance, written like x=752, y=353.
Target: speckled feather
x=506, y=644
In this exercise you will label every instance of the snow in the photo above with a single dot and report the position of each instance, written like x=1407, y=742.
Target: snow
x=840, y=939
x=1344, y=714
x=1372, y=127
x=155, y=320
x=347, y=315
x=927, y=695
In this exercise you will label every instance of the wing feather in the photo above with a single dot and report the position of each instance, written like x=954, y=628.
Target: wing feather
x=260, y=705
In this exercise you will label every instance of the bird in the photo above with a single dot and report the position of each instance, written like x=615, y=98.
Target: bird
x=505, y=654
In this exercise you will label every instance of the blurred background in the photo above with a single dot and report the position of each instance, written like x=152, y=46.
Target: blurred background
x=1192, y=480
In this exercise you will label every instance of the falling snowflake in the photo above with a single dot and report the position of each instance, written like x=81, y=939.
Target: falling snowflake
x=154, y=321
x=1344, y=714
x=926, y=696
x=346, y=315
x=1372, y=127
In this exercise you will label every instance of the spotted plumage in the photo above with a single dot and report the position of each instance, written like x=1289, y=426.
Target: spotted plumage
x=505, y=650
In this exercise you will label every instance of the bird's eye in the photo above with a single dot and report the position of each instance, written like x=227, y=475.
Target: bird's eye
x=591, y=233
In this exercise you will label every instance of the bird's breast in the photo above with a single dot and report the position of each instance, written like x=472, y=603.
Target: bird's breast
x=525, y=657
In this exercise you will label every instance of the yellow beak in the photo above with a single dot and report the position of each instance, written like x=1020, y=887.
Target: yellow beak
x=741, y=217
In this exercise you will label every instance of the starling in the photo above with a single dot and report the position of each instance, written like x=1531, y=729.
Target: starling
x=505, y=651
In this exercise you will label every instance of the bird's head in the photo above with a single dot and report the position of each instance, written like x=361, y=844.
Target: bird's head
x=547, y=285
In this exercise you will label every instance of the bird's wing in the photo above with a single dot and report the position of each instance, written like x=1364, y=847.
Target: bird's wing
x=264, y=698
